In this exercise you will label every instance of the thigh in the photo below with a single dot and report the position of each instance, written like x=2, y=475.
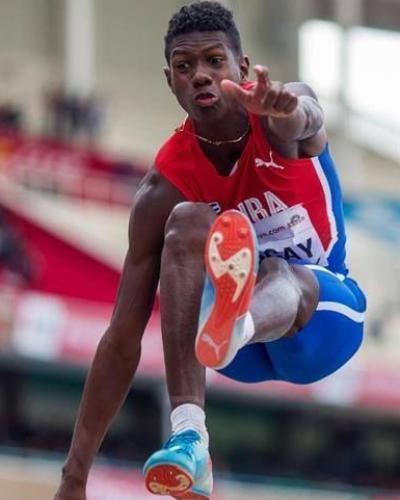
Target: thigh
x=331, y=337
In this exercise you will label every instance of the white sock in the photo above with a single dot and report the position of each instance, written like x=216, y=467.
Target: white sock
x=190, y=416
x=249, y=329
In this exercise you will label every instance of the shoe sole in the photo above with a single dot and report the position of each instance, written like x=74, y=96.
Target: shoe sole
x=231, y=268
x=168, y=479
x=191, y=496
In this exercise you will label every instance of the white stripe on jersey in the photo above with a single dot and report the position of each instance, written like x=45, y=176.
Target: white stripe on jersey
x=339, y=276
x=328, y=199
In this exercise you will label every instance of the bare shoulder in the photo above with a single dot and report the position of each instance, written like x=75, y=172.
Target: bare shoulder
x=155, y=199
x=156, y=195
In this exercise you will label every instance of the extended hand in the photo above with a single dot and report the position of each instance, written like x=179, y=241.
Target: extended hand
x=265, y=98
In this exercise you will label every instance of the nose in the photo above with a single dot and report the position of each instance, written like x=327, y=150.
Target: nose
x=201, y=77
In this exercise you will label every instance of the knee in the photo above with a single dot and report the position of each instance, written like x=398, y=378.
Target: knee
x=275, y=268
x=187, y=227
x=272, y=266
x=282, y=288
x=298, y=285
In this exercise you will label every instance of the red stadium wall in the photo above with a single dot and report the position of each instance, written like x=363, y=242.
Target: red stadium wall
x=59, y=267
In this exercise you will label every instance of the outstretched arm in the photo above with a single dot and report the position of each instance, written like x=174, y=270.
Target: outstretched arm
x=290, y=112
x=118, y=353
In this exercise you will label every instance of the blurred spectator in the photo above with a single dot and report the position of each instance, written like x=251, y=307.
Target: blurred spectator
x=88, y=114
x=13, y=256
x=56, y=113
x=10, y=116
x=70, y=117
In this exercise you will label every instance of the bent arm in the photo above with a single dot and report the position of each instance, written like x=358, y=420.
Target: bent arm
x=118, y=353
x=305, y=126
x=290, y=114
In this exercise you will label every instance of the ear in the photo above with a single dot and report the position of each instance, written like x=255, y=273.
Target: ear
x=244, y=65
x=167, y=73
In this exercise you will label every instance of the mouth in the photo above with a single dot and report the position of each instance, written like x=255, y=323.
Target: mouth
x=205, y=99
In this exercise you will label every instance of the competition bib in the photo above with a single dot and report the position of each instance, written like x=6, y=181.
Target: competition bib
x=291, y=235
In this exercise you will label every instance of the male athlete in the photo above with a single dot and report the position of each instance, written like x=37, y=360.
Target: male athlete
x=240, y=220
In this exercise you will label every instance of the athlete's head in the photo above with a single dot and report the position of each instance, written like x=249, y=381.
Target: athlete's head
x=202, y=48
x=203, y=16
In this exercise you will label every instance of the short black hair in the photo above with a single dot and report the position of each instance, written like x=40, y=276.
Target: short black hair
x=202, y=16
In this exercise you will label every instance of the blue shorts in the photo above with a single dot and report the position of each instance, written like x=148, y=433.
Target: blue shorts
x=331, y=337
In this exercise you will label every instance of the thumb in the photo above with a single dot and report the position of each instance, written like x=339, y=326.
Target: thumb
x=234, y=90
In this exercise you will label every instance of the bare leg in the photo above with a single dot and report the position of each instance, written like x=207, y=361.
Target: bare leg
x=181, y=284
x=172, y=470
x=284, y=299
x=182, y=467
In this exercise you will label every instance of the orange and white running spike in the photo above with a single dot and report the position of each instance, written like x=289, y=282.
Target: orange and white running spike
x=231, y=265
x=190, y=495
x=171, y=480
x=181, y=469
x=168, y=479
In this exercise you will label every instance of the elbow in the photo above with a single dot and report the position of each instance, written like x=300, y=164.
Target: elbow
x=313, y=117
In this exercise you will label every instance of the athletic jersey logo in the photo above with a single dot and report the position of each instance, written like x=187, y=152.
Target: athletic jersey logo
x=268, y=164
x=210, y=341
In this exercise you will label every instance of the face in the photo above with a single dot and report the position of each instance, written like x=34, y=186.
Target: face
x=199, y=61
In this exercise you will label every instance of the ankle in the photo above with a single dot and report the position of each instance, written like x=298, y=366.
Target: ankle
x=190, y=416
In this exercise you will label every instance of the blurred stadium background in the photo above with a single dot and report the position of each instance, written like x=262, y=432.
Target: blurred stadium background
x=83, y=109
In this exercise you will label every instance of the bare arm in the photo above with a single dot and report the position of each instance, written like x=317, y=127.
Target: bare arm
x=118, y=353
x=307, y=118
x=302, y=130
x=291, y=115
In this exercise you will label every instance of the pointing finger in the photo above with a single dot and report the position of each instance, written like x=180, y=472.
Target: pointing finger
x=262, y=73
x=263, y=82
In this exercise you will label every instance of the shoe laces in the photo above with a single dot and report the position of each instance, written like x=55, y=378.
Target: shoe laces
x=184, y=441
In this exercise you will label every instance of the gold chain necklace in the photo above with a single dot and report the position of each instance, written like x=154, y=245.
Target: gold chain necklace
x=210, y=141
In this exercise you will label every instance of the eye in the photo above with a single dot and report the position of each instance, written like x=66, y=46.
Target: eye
x=216, y=60
x=182, y=66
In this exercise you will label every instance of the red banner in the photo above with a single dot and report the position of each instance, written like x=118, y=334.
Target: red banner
x=59, y=267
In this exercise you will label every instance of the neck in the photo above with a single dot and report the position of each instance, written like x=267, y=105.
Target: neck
x=230, y=127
